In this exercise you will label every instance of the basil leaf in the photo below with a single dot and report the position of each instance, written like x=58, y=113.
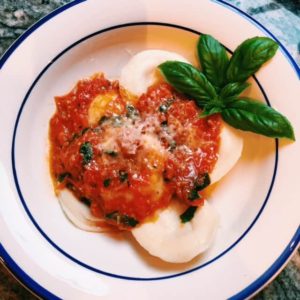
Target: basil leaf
x=232, y=90
x=249, y=115
x=188, y=215
x=213, y=58
x=188, y=80
x=249, y=57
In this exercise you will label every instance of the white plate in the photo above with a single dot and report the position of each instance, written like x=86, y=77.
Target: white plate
x=258, y=202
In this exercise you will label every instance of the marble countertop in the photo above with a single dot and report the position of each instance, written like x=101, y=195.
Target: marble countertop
x=281, y=17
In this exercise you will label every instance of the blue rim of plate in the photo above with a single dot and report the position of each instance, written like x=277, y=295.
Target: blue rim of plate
x=246, y=292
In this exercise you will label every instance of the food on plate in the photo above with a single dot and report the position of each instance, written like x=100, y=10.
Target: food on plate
x=137, y=154
x=174, y=241
x=141, y=71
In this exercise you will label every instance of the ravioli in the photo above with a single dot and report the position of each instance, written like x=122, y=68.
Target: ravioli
x=137, y=155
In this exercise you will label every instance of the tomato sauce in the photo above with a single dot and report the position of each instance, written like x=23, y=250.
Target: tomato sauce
x=138, y=156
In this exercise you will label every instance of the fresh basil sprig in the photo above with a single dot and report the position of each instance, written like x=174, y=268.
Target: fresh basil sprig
x=217, y=88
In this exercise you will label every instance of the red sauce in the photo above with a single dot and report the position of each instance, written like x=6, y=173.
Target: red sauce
x=137, y=158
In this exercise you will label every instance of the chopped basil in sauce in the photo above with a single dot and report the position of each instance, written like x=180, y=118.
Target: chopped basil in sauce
x=70, y=186
x=165, y=177
x=86, y=150
x=172, y=146
x=106, y=182
x=188, y=215
x=193, y=195
x=81, y=133
x=164, y=123
x=132, y=112
x=84, y=130
x=117, y=121
x=86, y=201
x=103, y=120
x=61, y=177
x=165, y=106
x=123, y=176
x=122, y=219
x=202, y=182
x=111, y=153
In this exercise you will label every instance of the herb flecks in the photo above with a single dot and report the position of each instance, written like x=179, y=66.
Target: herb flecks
x=111, y=153
x=103, y=119
x=202, y=182
x=122, y=219
x=188, y=215
x=165, y=177
x=123, y=176
x=86, y=150
x=172, y=146
x=132, y=112
x=106, y=182
x=62, y=176
x=163, y=108
x=70, y=186
x=193, y=195
x=164, y=124
x=117, y=121
x=81, y=133
x=85, y=201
